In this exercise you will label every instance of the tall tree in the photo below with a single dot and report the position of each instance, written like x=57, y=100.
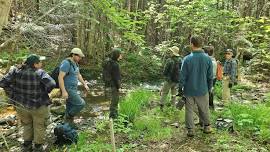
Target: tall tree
x=4, y=12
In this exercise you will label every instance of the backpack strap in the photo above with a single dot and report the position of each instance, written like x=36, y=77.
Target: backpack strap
x=70, y=64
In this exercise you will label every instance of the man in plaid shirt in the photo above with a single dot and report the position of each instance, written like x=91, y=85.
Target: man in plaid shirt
x=28, y=88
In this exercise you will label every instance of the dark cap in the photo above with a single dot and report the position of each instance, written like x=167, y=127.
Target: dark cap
x=33, y=58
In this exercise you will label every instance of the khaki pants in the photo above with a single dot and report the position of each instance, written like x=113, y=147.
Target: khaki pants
x=168, y=86
x=202, y=103
x=34, y=122
x=226, y=95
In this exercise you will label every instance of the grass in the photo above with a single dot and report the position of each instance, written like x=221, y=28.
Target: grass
x=151, y=128
x=132, y=104
x=250, y=120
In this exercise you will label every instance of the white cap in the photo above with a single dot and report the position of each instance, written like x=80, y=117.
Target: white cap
x=77, y=51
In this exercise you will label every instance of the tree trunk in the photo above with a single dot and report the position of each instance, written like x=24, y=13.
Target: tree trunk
x=4, y=12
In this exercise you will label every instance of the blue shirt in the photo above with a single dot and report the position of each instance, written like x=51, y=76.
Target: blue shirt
x=230, y=69
x=196, y=74
x=72, y=71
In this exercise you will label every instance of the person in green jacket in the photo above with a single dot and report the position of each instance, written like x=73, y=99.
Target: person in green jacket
x=171, y=74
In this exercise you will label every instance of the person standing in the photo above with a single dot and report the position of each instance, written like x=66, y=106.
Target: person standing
x=112, y=80
x=229, y=74
x=171, y=74
x=196, y=81
x=210, y=51
x=30, y=86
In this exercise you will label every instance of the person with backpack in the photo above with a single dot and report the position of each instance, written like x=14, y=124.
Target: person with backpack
x=69, y=75
x=229, y=73
x=29, y=87
x=195, y=83
x=112, y=80
x=171, y=74
x=210, y=51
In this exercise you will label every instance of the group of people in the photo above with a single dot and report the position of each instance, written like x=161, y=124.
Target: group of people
x=195, y=77
x=28, y=86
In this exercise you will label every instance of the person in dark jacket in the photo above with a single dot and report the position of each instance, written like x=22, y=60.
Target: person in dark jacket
x=171, y=74
x=29, y=87
x=114, y=84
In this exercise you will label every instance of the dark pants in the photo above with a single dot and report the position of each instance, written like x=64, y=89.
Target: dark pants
x=211, y=96
x=112, y=93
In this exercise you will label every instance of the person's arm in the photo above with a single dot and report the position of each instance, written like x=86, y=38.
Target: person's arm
x=46, y=80
x=210, y=76
x=83, y=82
x=182, y=77
x=62, y=84
x=233, y=72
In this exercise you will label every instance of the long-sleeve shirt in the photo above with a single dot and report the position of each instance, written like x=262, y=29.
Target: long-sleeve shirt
x=116, y=74
x=230, y=69
x=28, y=87
x=196, y=74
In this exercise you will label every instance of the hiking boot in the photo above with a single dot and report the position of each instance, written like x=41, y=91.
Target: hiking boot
x=190, y=133
x=207, y=129
x=27, y=146
x=39, y=148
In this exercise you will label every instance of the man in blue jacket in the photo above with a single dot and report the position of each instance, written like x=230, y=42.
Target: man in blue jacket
x=196, y=81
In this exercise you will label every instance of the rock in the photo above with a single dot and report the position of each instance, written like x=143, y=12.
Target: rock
x=55, y=93
x=164, y=146
x=58, y=110
x=176, y=125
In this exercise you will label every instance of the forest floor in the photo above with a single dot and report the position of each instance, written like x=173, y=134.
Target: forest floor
x=156, y=130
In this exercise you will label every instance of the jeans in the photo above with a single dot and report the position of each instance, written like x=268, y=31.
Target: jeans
x=74, y=102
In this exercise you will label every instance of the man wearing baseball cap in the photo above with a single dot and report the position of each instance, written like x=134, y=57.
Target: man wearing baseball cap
x=69, y=76
x=29, y=87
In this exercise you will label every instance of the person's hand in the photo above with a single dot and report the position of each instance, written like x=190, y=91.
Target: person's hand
x=180, y=92
x=211, y=90
x=86, y=87
x=230, y=85
x=64, y=94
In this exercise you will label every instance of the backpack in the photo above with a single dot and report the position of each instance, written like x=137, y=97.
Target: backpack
x=219, y=71
x=174, y=75
x=107, y=70
x=65, y=134
x=55, y=72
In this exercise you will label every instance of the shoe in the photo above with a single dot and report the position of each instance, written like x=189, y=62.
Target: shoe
x=207, y=129
x=190, y=133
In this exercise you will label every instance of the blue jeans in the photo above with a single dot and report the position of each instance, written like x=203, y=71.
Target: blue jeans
x=74, y=102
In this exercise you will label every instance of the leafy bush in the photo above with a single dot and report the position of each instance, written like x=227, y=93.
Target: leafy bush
x=132, y=104
x=250, y=119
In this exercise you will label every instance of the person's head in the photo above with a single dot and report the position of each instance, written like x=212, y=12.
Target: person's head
x=228, y=54
x=209, y=50
x=116, y=54
x=195, y=42
x=174, y=51
x=76, y=54
x=34, y=61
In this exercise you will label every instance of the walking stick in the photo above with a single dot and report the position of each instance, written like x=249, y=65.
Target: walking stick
x=112, y=135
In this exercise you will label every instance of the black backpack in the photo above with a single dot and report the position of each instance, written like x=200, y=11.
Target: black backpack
x=65, y=134
x=174, y=75
x=55, y=72
x=107, y=70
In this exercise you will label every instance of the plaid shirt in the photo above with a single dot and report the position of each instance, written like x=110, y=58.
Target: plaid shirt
x=29, y=87
x=230, y=68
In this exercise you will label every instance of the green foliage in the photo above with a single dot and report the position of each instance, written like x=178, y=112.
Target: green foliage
x=133, y=103
x=14, y=57
x=250, y=120
x=241, y=88
x=218, y=90
x=151, y=128
x=141, y=68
